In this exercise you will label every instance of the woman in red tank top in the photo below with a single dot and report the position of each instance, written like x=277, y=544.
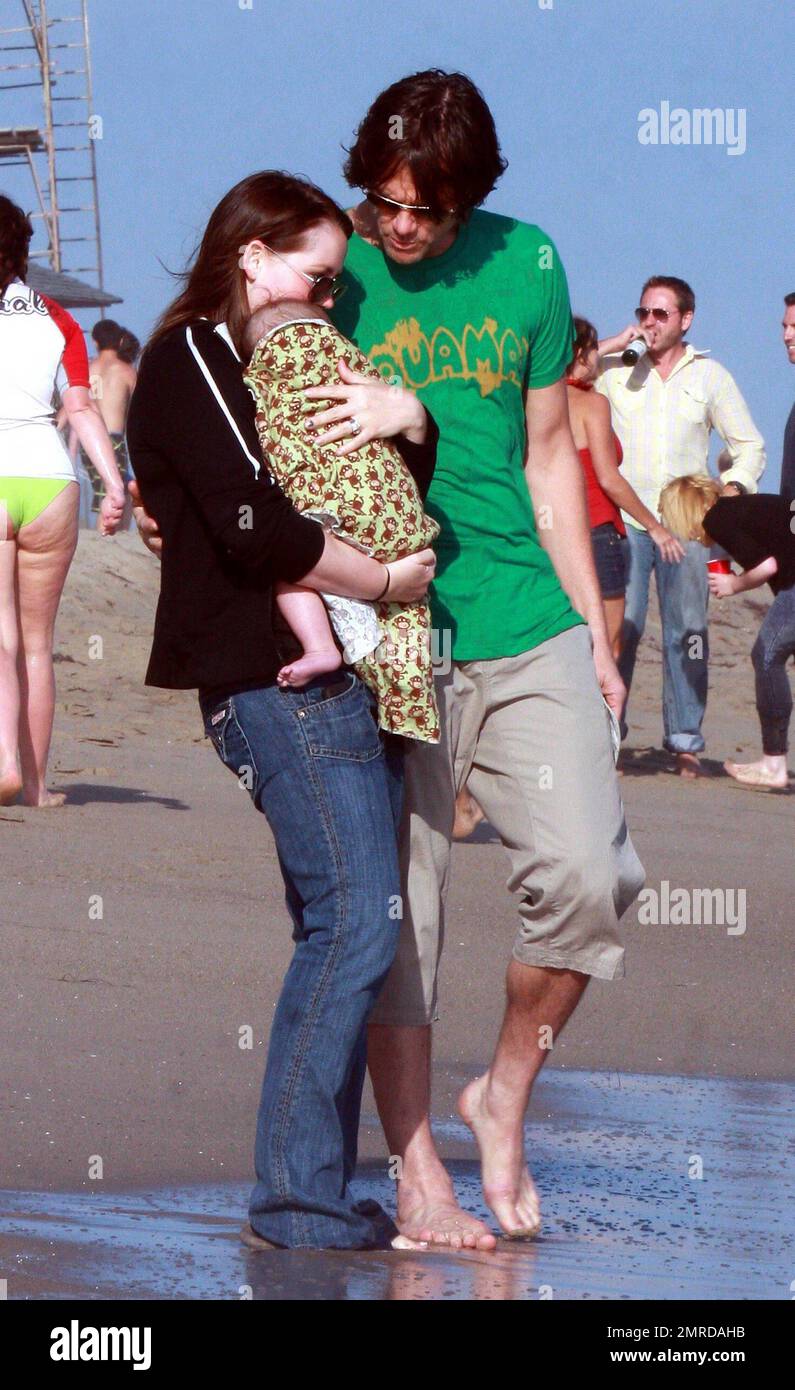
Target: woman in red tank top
x=607, y=492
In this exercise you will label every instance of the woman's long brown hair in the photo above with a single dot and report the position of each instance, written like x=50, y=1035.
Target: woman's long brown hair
x=272, y=207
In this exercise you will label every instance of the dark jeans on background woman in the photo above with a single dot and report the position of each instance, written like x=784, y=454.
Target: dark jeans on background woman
x=770, y=653
x=315, y=765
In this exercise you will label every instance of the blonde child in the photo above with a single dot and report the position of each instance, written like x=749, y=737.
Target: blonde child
x=757, y=532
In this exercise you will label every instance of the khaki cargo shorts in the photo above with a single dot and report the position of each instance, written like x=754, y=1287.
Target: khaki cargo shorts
x=530, y=736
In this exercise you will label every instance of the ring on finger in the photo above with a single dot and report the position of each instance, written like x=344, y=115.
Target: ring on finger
x=355, y=425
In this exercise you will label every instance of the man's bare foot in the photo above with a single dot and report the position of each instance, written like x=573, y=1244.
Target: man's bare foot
x=317, y=663
x=10, y=786
x=467, y=815
x=689, y=766
x=507, y=1185
x=42, y=800
x=766, y=775
x=435, y=1218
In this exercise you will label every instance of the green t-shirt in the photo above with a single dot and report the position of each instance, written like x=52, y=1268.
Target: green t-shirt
x=470, y=331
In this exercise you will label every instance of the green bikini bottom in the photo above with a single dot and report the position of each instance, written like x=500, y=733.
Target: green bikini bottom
x=23, y=499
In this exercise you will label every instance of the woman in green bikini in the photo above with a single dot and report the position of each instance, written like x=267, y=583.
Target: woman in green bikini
x=38, y=504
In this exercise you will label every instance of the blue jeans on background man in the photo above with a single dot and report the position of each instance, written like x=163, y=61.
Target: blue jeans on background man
x=771, y=651
x=331, y=790
x=683, y=593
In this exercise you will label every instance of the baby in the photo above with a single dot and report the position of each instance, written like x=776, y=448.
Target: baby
x=368, y=499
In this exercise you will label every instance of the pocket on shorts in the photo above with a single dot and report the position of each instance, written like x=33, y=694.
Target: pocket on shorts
x=341, y=725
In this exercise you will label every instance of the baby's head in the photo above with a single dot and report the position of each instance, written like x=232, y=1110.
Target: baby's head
x=685, y=502
x=272, y=315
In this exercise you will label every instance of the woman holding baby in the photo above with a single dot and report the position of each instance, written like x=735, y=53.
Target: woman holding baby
x=311, y=756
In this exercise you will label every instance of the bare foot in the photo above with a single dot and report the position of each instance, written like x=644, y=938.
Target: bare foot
x=10, y=786
x=254, y=1241
x=404, y=1243
x=317, y=663
x=437, y=1219
x=44, y=800
x=759, y=776
x=468, y=815
x=689, y=767
x=507, y=1185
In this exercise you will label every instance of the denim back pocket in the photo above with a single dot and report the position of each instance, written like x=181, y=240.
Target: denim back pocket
x=341, y=726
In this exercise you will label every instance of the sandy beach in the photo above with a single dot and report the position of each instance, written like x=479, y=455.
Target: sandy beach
x=123, y=1015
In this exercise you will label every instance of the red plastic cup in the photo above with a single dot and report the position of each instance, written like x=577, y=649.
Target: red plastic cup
x=719, y=566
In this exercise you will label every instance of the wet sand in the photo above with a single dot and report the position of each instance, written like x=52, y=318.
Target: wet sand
x=143, y=926
x=614, y=1157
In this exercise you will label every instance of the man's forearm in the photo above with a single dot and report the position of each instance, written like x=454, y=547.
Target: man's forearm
x=755, y=578
x=555, y=480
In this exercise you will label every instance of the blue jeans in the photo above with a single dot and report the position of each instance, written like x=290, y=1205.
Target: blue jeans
x=331, y=791
x=770, y=653
x=683, y=592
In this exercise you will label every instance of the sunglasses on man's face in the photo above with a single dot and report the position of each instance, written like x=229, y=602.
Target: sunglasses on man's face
x=661, y=315
x=391, y=206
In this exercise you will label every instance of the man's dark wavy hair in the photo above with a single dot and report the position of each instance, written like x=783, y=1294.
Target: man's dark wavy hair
x=438, y=126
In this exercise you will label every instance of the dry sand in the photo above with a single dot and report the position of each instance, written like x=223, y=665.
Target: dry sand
x=121, y=1030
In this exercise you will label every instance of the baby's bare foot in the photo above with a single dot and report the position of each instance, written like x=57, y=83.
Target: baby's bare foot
x=297, y=673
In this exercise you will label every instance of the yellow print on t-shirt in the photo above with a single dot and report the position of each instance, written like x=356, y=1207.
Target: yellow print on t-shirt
x=482, y=355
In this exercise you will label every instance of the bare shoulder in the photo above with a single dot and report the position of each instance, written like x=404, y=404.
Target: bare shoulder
x=597, y=406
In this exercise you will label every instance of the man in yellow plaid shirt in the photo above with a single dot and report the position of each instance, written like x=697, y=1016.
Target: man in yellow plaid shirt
x=664, y=409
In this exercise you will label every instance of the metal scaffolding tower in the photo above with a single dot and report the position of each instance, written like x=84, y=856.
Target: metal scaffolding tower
x=46, y=66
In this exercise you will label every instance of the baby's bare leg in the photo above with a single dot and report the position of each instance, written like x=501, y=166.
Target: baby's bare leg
x=305, y=612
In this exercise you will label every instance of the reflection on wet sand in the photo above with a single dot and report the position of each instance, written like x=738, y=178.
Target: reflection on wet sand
x=624, y=1214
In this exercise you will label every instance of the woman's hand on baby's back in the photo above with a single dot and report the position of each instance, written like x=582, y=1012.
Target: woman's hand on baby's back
x=378, y=410
x=409, y=578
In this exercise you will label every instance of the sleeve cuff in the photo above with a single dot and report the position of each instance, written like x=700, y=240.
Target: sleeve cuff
x=741, y=476
x=308, y=541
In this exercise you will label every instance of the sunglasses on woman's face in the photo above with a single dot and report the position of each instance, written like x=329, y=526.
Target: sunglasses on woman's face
x=321, y=286
x=661, y=315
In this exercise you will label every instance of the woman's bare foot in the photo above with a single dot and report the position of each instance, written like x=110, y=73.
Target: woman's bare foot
x=507, y=1185
x=316, y=663
x=467, y=815
x=435, y=1218
x=689, y=766
x=10, y=785
x=769, y=774
x=43, y=800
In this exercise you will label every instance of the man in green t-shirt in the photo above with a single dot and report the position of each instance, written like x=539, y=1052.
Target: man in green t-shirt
x=471, y=311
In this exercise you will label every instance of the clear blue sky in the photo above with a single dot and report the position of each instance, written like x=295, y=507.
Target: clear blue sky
x=194, y=94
